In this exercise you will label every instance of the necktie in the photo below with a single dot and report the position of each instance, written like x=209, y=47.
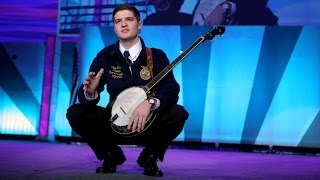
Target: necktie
x=126, y=55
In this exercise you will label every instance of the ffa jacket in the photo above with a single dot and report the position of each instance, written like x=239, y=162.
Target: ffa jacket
x=117, y=75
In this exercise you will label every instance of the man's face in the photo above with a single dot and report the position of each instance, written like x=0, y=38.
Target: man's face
x=126, y=25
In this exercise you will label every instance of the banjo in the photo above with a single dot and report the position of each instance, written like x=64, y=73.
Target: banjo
x=127, y=101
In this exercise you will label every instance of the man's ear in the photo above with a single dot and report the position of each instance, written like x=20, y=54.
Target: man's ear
x=140, y=25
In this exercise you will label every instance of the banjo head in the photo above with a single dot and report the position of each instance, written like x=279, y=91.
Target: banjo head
x=125, y=132
x=123, y=107
x=125, y=104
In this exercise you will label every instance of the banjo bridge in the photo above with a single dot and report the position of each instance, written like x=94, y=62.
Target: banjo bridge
x=115, y=117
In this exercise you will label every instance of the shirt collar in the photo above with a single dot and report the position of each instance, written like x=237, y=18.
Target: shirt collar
x=134, y=50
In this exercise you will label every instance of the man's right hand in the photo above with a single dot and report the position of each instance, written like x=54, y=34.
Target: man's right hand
x=216, y=17
x=91, y=82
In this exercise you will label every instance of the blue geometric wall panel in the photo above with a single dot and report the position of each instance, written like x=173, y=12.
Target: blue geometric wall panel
x=311, y=137
x=295, y=104
x=232, y=67
x=21, y=87
x=275, y=52
x=68, y=53
x=254, y=85
x=195, y=69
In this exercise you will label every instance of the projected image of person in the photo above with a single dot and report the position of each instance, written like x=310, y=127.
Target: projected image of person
x=233, y=12
x=167, y=13
x=212, y=12
x=125, y=64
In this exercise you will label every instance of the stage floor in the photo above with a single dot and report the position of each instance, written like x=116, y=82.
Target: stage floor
x=50, y=160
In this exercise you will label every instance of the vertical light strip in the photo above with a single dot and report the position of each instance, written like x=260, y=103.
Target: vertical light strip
x=46, y=87
x=97, y=12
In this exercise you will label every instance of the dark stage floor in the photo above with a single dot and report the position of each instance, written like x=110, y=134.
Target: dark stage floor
x=44, y=160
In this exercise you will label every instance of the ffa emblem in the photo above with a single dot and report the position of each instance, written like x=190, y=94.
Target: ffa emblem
x=145, y=73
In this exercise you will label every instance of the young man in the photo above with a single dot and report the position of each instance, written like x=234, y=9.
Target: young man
x=110, y=68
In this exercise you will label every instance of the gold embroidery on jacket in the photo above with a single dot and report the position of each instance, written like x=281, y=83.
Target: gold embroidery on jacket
x=116, y=72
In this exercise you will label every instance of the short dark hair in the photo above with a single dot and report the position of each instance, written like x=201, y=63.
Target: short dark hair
x=122, y=7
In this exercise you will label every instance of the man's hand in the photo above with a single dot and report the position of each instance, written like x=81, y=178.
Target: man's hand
x=139, y=116
x=91, y=82
x=216, y=17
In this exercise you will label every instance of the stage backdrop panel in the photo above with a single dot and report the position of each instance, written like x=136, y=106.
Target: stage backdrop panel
x=21, y=79
x=67, y=85
x=255, y=85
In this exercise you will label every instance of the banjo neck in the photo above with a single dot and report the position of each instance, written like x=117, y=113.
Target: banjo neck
x=209, y=35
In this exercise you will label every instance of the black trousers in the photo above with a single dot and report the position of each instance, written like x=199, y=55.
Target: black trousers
x=92, y=123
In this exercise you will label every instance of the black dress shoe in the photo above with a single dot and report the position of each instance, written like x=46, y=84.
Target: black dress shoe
x=110, y=163
x=149, y=163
